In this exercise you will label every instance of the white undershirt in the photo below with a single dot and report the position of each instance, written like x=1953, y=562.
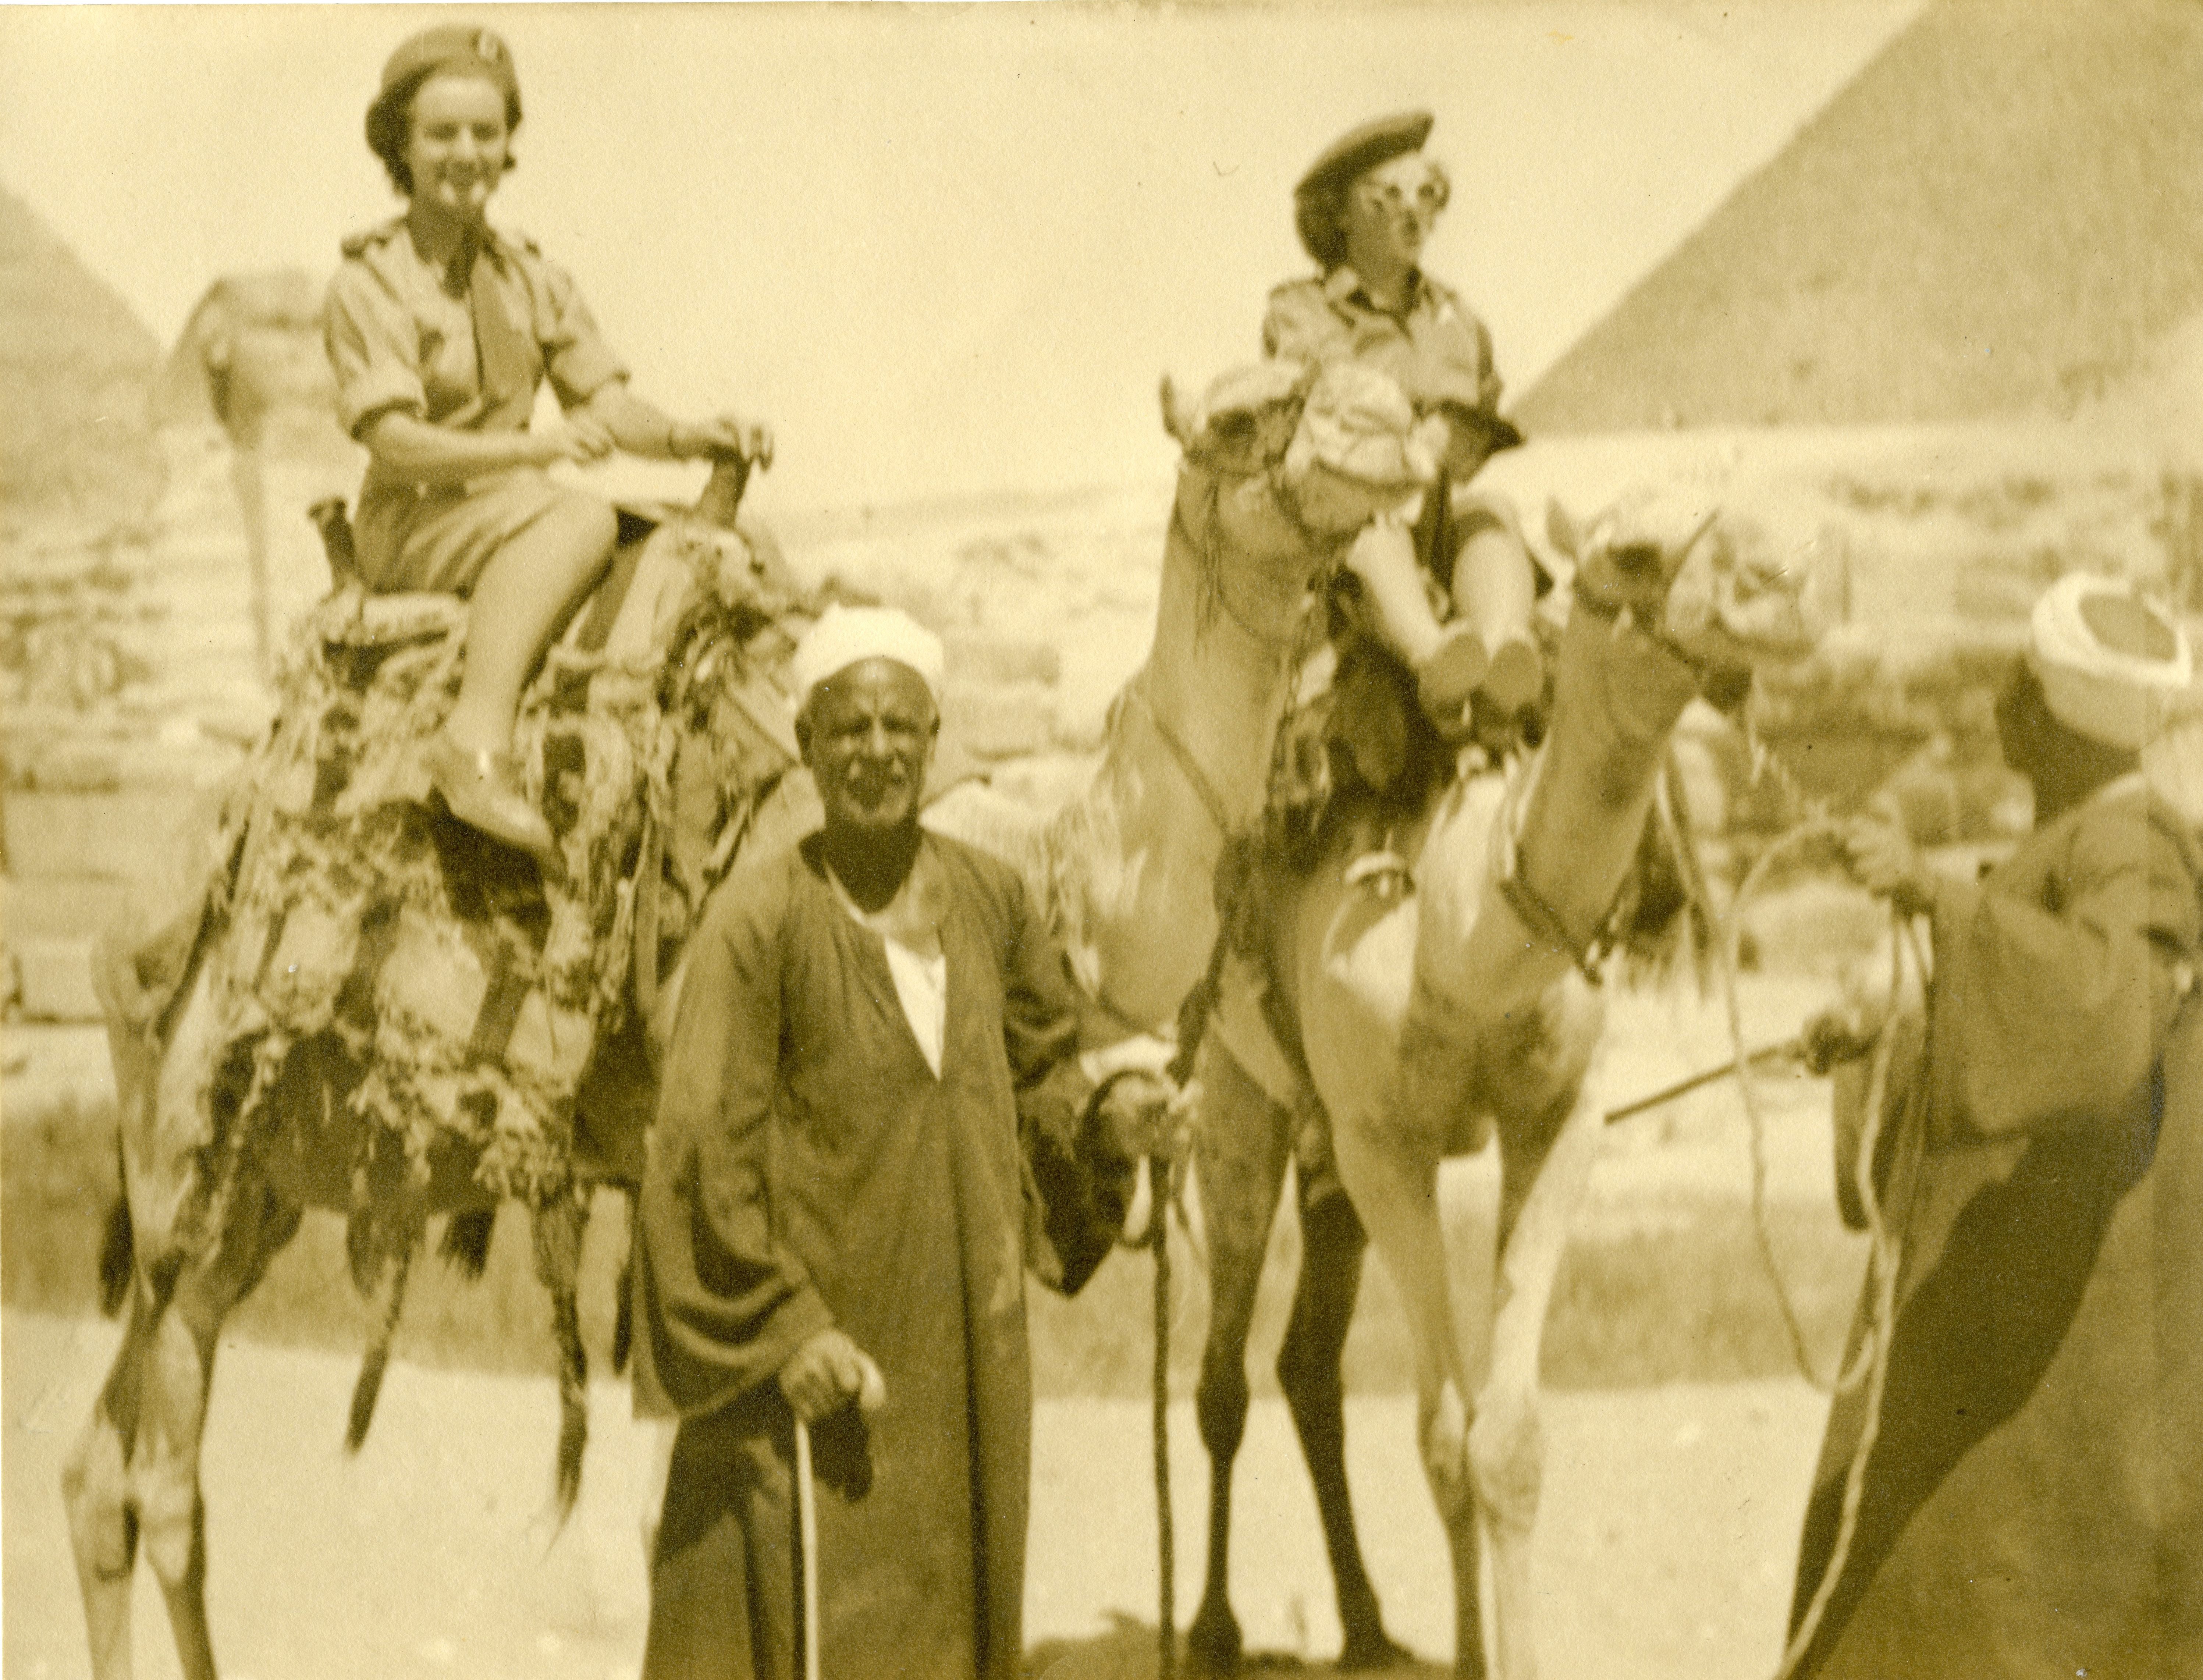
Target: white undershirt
x=921, y=982
x=921, y=985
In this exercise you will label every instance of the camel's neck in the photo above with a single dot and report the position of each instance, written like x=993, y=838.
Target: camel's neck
x=1617, y=699
x=1216, y=675
x=1187, y=762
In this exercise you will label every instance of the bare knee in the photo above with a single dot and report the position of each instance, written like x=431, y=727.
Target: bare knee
x=578, y=534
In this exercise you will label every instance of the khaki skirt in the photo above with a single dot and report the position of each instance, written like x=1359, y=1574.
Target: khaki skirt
x=438, y=540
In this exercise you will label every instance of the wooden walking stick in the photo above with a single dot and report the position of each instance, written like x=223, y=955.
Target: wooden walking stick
x=806, y=1535
x=1159, y=1190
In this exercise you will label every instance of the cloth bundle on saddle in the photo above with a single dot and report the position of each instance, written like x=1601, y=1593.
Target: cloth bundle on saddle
x=448, y=991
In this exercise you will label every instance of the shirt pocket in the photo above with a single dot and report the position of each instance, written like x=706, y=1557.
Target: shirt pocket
x=448, y=372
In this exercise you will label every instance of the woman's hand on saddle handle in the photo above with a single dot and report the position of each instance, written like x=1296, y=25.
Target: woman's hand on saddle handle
x=581, y=437
x=723, y=437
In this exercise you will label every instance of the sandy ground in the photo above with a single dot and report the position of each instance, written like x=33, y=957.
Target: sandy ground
x=1664, y=1548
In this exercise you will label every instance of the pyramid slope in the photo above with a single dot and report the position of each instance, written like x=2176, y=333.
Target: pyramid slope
x=75, y=438
x=1999, y=216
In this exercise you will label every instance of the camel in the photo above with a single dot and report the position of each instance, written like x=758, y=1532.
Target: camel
x=228, y=1135
x=1434, y=1003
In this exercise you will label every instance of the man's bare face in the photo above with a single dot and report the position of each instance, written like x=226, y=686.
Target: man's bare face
x=868, y=736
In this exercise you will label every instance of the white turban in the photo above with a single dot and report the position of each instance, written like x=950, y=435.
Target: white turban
x=849, y=635
x=2111, y=664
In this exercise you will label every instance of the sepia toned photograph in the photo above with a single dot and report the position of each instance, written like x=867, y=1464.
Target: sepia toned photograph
x=1102, y=840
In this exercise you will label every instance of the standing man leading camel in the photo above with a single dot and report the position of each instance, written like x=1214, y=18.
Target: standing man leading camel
x=2024, y=1496
x=874, y=1116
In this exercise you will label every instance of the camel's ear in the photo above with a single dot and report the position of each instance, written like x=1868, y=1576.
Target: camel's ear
x=1179, y=421
x=1560, y=530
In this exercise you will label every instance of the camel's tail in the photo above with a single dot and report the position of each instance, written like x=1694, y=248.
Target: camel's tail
x=623, y=1314
x=558, y=1229
x=369, y=1385
x=465, y=1246
x=116, y=1256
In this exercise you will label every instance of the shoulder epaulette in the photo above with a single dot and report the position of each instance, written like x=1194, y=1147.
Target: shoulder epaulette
x=356, y=245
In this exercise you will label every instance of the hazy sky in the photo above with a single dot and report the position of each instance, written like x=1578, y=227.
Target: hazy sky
x=945, y=249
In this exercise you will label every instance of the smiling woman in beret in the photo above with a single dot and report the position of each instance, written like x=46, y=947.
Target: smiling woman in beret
x=440, y=328
x=1363, y=211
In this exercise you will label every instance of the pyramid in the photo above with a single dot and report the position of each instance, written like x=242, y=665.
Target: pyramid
x=2001, y=215
x=75, y=439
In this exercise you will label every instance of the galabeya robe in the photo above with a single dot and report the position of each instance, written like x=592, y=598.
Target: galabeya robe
x=809, y=1169
x=2034, y=1498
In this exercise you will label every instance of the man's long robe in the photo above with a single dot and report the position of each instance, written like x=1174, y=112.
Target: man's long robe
x=2033, y=1500
x=810, y=1169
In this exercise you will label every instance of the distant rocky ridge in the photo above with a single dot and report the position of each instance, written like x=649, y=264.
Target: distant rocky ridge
x=2002, y=213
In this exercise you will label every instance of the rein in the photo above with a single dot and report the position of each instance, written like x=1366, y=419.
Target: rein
x=1189, y=766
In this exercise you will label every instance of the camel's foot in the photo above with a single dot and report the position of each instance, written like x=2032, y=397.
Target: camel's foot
x=1213, y=1643
x=1368, y=1646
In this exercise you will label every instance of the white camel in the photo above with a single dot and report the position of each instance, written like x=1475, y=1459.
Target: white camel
x=1425, y=1018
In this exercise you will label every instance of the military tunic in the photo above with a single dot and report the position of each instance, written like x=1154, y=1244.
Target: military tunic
x=466, y=350
x=2034, y=1498
x=809, y=1169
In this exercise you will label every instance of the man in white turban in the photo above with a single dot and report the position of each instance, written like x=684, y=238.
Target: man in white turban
x=874, y=1117
x=2032, y=1499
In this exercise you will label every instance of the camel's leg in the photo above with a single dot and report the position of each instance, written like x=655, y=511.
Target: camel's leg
x=1546, y=1160
x=1392, y=1172
x=1332, y=1243
x=1240, y=1149
x=657, y=1472
x=96, y=1492
x=145, y=1435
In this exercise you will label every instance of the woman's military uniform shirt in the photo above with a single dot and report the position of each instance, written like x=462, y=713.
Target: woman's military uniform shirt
x=465, y=348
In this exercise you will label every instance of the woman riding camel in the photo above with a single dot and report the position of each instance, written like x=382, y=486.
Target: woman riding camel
x=1363, y=212
x=439, y=329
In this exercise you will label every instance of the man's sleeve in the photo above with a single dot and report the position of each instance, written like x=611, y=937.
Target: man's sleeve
x=2051, y=1017
x=723, y=1302
x=1078, y=1181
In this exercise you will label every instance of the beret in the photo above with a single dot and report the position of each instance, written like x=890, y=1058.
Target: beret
x=464, y=46
x=1365, y=148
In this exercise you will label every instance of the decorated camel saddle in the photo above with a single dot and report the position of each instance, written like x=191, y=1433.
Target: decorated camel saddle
x=450, y=992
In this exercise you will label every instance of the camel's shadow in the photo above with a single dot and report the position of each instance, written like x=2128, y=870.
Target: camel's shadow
x=1128, y=1652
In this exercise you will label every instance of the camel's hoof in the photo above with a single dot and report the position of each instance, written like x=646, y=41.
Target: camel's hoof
x=1212, y=1642
x=1369, y=1648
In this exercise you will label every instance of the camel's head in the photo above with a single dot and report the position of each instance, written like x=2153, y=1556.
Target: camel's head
x=1339, y=440
x=1732, y=590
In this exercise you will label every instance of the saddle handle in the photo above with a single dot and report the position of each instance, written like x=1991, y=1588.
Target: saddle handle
x=723, y=496
x=333, y=522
